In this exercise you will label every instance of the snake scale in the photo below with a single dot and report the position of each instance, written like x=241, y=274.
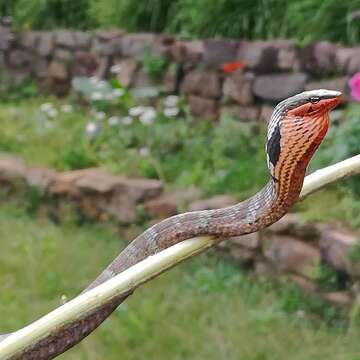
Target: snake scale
x=295, y=130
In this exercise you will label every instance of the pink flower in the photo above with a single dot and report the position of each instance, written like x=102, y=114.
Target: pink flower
x=354, y=84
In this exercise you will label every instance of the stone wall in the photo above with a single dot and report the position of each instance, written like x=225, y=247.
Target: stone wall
x=268, y=70
x=290, y=247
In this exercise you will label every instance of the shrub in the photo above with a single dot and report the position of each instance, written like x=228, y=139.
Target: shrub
x=154, y=65
x=15, y=90
x=142, y=15
x=304, y=20
x=354, y=253
x=48, y=14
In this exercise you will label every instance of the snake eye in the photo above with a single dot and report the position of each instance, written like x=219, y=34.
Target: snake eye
x=314, y=99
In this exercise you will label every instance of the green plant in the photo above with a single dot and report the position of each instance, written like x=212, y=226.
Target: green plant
x=108, y=96
x=7, y=7
x=293, y=300
x=354, y=253
x=143, y=15
x=12, y=89
x=227, y=157
x=304, y=20
x=253, y=19
x=74, y=158
x=330, y=279
x=331, y=20
x=33, y=197
x=49, y=14
x=154, y=65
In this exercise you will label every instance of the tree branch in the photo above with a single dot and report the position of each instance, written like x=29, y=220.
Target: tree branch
x=146, y=270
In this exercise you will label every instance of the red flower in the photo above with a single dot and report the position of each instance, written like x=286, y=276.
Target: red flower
x=232, y=66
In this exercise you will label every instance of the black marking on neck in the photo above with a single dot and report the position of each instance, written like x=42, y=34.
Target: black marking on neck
x=274, y=178
x=273, y=146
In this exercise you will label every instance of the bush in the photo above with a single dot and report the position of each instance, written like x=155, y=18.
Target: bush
x=154, y=65
x=48, y=14
x=142, y=15
x=229, y=18
x=14, y=90
x=304, y=20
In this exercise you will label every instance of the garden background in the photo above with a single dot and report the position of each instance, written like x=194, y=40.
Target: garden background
x=134, y=101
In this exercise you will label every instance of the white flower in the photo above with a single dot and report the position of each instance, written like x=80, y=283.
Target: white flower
x=100, y=115
x=148, y=116
x=109, y=96
x=113, y=120
x=101, y=84
x=144, y=151
x=127, y=120
x=171, y=101
x=115, y=69
x=53, y=113
x=300, y=313
x=118, y=92
x=92, y=129
x=66, y=108
x=46, y=107
x=221, y=173
x=48, y=124
x=94, y=80
x=171, y=111
x=136, y=110
x=97, y=95
x=14, y=111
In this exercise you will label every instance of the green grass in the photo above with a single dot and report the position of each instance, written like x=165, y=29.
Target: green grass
x=27, y=132
x=183, y=152
x=204, y=309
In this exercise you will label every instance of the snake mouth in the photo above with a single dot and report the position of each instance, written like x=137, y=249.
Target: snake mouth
x=328, y=100
x=330, y=103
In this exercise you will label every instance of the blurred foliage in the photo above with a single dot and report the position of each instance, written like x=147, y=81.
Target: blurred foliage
x=143, y=15
x=230, y=18
x=15, y=89
x=182, y=151
x=304, y=20
x=341, y=143
x=154, y=65
x=354, y=253
x=47, y=14
x=331, y=279
x=206, y=308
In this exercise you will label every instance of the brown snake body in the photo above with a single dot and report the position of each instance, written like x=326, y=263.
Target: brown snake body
x=296, y=129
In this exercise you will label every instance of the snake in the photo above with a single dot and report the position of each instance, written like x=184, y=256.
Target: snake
x=295, y=130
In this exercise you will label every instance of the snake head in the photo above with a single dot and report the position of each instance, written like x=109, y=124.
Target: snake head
x=297, y=127
x=313, y=103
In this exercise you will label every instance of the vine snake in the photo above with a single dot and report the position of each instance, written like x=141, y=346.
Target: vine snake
x=295, y=130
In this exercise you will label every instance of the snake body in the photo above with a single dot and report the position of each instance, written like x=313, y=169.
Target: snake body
x=295, y=130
